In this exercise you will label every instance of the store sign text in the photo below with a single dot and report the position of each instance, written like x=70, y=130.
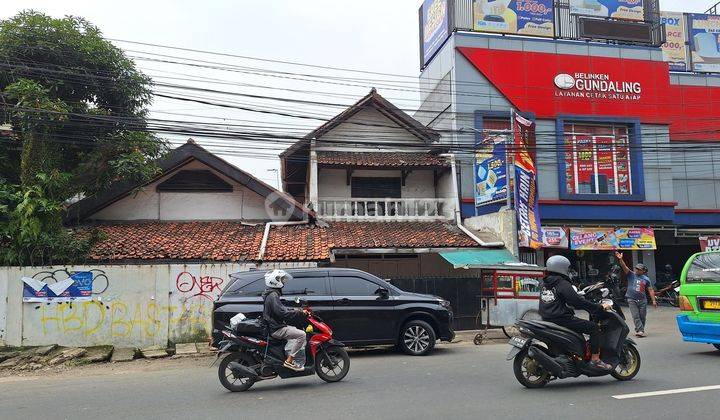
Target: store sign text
x=596, y=86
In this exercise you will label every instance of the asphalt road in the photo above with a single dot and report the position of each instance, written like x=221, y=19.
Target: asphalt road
x=457, y=381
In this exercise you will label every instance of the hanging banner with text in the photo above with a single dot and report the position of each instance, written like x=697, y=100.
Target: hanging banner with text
x=608, y=239
x=618, y=9
x=77, y=287
x=704, y=42
x=709, y=243
x=526, y=194
x=522, y=17
x=434, y=27
x=674, y=49
x=490, y=169
x=555, y=237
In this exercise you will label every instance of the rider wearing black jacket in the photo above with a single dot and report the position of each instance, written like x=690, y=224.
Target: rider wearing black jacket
x=557, y=300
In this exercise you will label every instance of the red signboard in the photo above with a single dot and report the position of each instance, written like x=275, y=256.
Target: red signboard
x=549, y=85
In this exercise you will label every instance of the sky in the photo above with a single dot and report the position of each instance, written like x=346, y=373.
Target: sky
x=370, y=35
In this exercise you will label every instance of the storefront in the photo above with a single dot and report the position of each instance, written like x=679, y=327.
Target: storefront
x=626, y=150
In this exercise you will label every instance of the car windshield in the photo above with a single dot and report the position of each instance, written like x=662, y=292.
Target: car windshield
x=705, y=268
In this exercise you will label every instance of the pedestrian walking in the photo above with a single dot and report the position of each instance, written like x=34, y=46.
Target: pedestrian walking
x=638, y=283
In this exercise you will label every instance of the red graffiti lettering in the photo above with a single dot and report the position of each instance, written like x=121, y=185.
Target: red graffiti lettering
x=203, y=286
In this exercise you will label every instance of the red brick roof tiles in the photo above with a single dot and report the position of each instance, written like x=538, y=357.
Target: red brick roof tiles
x=380, y=159
x=233, y=241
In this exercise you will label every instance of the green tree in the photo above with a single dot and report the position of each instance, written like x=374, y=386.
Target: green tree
x=77, y=107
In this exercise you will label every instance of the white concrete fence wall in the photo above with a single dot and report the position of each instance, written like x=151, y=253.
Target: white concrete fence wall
x=131, y=306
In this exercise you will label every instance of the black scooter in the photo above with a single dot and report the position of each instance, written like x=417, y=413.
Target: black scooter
x=566, y=354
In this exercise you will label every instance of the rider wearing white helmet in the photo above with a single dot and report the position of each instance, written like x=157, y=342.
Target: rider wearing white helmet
x=557, y=298
x=276, y=316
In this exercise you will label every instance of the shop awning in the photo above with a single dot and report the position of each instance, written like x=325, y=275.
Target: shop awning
x=477, y=258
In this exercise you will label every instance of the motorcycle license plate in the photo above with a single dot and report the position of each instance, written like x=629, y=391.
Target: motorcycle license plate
x=711, y=304
x=518, y=342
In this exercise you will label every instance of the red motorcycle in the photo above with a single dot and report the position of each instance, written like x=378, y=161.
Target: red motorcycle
x=251, y=355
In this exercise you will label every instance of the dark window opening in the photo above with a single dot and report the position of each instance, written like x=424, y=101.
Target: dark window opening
x=194, y=181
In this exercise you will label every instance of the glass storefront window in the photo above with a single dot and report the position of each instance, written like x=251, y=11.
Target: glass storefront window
x=597, y=159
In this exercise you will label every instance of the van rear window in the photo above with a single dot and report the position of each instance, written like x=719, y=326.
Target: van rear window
x=705, y=268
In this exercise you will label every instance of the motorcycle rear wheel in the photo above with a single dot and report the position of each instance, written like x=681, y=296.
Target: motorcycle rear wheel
x=332, y=364
x=627, y=370
x=226, y=376
x=526, y=368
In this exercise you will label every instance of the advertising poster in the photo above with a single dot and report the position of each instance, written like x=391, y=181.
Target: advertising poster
x=709, y=243
x=490, y=170
x=77, y=287
x=524, y=17
x=555, y=237
x=674, y=49
x=618, y=9
x=606, y=239
x=434, y=26
x=704, y=42
x=526, y=194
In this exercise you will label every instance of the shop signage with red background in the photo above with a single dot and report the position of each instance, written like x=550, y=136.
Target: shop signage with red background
x=549, y=85
x=709, y=243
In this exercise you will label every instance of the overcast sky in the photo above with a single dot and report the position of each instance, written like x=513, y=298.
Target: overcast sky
x=371, y=35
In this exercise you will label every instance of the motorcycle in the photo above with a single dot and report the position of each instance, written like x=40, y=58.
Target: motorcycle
x=545, y=351
x=255, y=356
x=669, y=293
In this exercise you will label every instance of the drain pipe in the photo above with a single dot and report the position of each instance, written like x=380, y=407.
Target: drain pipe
x=458, y=219
x=266, y=234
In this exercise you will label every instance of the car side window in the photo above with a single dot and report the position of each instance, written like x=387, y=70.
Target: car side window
x=353, y=286
x=253, y=288
x=312, y=285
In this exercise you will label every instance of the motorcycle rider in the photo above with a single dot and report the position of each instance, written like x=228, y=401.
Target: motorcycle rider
x=276, y=315
x=556, y=299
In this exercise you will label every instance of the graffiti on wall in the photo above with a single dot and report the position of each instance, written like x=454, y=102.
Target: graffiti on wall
x=203, y=286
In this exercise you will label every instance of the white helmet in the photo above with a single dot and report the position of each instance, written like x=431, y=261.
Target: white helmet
x=276, y=279
x=558, y=264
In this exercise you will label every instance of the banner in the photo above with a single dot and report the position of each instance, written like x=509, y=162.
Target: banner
x=523, y=17
x=77, y=287
x=704, y=41
x=526, y=195
x=490, y=170
x=555, y=237
x=434, y=27
x=618, y=9
x=709, y=243
x=674, y=49
x=607, y=239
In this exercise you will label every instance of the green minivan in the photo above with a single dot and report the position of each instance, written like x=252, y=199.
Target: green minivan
x=699, y=320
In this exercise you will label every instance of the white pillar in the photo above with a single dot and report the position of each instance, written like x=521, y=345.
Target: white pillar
x=313, y=199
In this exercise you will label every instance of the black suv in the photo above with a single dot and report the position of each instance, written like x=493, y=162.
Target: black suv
x=361, y=309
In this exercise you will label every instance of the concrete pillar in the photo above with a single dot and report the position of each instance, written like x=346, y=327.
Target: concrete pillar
x=313, y=193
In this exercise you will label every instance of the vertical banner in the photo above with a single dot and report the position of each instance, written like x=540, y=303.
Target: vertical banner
x=526, y=195
x=618, y=9
x=434, y=27
x=523, y=17
x=709, y=243
x=491, y=184
x=674, y=49
x=704, y=42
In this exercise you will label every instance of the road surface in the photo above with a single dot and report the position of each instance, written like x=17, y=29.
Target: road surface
x=457, y=381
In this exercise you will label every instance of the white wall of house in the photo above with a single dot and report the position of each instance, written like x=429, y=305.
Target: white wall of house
x=149, y=204
x=332, y=183
x=366, y=126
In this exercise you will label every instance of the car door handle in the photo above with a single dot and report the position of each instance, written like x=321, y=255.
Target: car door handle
x=344, y=301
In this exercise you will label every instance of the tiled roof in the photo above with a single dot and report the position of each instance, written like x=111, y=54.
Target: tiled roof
x=216, y=240
x=312, y=243
x=383, y=159
x=233, y=241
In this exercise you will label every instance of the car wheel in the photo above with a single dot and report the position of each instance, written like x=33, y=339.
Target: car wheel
x=417, y=338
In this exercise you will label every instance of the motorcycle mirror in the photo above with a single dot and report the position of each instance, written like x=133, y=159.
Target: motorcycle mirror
x=297, y=299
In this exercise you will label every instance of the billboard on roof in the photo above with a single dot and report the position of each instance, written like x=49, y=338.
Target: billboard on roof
x=434, y=27
x=675, y=47
x=704, y=31
x=522, y=17
x=617, y=9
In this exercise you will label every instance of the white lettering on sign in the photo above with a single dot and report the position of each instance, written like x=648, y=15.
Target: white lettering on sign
x=596, y=86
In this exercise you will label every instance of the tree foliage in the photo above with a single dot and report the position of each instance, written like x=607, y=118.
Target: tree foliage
x=77, y=107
